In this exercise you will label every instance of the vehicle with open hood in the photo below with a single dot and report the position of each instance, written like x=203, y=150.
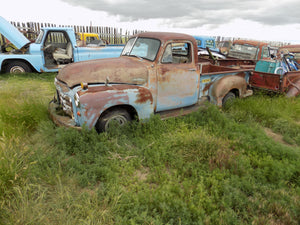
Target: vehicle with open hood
x=54, y=48
x=157, y=73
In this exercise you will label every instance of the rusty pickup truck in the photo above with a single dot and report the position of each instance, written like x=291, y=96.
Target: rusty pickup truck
x=157, y=73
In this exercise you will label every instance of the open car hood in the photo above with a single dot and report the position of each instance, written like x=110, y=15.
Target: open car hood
x=12, y=34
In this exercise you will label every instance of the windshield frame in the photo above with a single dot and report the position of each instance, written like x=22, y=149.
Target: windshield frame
x=132, y=44
x=40, y=37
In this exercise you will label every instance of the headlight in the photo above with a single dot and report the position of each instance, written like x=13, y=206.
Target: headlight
x=76, y=98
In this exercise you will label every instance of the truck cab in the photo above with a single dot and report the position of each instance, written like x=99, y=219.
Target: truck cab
x=206, y=41
x=249, y=50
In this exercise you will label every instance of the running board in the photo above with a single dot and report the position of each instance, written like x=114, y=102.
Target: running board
x=184, y=110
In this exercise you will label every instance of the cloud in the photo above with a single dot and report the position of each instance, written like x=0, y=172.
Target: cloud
x=196, y=13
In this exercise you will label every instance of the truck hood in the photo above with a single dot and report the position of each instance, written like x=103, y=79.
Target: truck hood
x=12, y=34
x=124, y=69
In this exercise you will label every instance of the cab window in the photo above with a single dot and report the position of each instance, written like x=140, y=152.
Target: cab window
x=56, y=37
x=177, y=52
x=265, y=53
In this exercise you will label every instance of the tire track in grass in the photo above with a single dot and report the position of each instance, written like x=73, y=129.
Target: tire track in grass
x=276, y=137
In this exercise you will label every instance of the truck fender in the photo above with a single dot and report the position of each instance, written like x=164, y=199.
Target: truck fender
x=294, y=89
x=224, y=85
x=94, y=104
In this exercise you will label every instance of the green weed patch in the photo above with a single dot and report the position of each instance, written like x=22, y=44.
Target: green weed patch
x=211, y=167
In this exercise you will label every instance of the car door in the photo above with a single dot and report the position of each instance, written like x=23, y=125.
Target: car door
x=177, y=78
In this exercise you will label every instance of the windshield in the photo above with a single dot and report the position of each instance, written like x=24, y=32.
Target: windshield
x=145, y=48
x=243, y=51
x=210, y=43
x=39, y=38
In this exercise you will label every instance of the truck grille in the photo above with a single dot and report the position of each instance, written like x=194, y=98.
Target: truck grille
x=66, y=103
x=64, y=100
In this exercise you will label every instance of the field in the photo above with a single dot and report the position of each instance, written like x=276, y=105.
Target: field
x=238, y=165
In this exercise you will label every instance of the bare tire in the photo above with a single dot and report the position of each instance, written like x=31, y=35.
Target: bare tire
x=228, y=99
x=117, y=117
x=17, y=67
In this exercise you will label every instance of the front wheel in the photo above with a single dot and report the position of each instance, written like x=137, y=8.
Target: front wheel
x=117, y=117
x=17, y=67
x=227, y=100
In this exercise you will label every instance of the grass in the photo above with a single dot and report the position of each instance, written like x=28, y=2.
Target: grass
x=211, y=167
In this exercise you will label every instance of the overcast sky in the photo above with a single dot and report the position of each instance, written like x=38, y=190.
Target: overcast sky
x=254, y=19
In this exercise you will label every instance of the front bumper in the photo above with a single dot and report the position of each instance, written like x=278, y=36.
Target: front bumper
x=60, y=120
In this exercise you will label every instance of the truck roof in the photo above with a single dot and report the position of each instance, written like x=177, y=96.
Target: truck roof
x=164, y=36
x=57, y=28
x=250, y=42
x=290, y=48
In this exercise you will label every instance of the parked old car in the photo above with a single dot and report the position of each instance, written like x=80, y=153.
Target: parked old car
x=157, y=73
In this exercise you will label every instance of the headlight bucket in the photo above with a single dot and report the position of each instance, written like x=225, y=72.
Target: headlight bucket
x=76, y=100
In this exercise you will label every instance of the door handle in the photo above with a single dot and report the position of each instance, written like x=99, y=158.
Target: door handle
x=192, y=69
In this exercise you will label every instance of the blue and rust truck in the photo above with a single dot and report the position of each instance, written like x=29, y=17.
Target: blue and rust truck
x=54, y=48
x=157, y=73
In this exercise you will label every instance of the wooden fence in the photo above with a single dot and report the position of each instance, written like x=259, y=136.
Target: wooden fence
x=110, y=34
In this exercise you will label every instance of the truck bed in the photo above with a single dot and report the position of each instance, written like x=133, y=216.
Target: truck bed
x=274, y=82
x=209, y=69
x=231, y=62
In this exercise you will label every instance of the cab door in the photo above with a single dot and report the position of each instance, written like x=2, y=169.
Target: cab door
x=177, y=77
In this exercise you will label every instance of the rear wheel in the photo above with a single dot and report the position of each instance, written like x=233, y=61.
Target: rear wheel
x=228, y=99
x=17, y=67
x=117, y=117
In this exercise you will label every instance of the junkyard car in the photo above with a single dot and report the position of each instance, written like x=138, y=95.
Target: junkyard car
x=157, y=73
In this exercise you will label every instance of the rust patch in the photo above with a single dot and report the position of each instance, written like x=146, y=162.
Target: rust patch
x=143, y=96
x=164, y=75
x=97, y=89
x=206, y=88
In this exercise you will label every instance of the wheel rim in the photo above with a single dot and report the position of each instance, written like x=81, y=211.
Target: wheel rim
x=17, y=69
x=118, y=119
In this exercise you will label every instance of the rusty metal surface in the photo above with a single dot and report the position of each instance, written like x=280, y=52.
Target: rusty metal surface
x=294, y=88
x=165, y=36
x=268, y=81
x=250, y=42
x=217, y=81
x=117, y=70
x=94, y=103
x=234, y=83
x=230, y=62
x=248, y=49
x=290, y=48
x=288, y=83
